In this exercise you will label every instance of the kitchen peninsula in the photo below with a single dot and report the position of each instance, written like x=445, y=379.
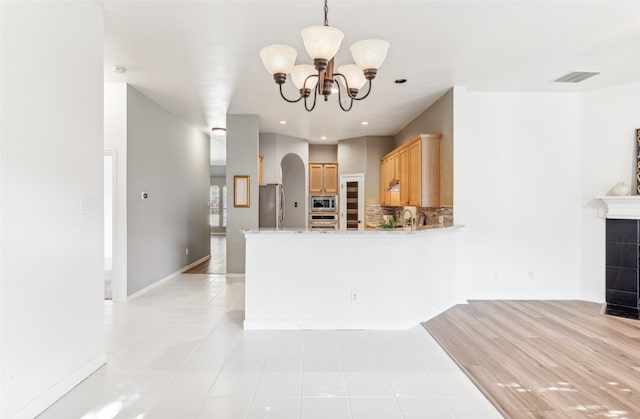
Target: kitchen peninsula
x=370, y=279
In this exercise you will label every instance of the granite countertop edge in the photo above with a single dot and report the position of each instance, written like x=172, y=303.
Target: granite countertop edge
x=422, y=230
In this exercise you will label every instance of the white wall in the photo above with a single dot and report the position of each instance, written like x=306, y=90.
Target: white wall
x=242, y=160
x=115, y=139
x=609, y=120
x=168, y=159
x=517, y=191
x=51, y=201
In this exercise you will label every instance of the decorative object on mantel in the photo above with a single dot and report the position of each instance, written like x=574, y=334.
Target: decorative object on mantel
x=620, y=189
x=322, y=43
x=638, y=161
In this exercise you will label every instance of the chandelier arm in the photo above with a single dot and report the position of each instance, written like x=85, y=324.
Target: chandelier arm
x=310, y=76
x=368, y=91
x=340, y=97
x=288, y=100
x=315, y=97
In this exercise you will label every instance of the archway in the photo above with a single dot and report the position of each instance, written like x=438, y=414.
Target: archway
x=293, y=183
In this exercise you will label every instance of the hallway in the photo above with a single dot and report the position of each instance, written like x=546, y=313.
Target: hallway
x=218, y=262
x=179, y=351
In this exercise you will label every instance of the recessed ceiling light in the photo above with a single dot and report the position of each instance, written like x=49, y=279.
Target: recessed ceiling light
x=364, y=123
x=400, y=81
x=219, y=131
x=323, y=138
x=283, y=122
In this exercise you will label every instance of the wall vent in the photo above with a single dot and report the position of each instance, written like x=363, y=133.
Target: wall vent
x=575, y=77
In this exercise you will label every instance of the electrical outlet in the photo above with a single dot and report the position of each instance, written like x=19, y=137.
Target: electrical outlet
x=530, y=274
x=354, y=297
x=186, y=252
x=499, y=274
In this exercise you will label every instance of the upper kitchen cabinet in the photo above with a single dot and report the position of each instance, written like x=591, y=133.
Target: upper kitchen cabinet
x=410, y=174
x=323, y=178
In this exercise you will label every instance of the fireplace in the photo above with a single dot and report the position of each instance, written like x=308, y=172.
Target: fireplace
x=623, y=256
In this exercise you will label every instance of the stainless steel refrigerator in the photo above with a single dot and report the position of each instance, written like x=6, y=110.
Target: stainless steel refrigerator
x=272, y=203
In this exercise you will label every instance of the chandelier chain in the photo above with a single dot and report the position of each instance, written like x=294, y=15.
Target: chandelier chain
x=326, y=13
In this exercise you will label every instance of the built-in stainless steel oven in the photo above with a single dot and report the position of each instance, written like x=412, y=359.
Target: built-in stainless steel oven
x=323, y=221
x=323, y=203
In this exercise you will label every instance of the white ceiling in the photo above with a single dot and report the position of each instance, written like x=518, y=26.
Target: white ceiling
x=200, y=59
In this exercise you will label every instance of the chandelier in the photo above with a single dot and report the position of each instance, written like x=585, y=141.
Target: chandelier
x=322, y=43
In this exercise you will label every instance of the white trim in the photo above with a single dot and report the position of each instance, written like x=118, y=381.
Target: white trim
x=118, y=280
x=593, y=297
x=354, y=177
x=166, y=278
x=348, y=324
x=622, y=207
x=234, y=275
x=45, y=400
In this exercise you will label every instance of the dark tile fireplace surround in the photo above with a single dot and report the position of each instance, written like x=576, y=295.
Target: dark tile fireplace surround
x=622, y=268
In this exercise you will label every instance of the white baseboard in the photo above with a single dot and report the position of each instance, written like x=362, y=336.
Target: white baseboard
x=166, y=278
x=328, y=324
x=595, y=298
x=45, y=400
x=234, y=278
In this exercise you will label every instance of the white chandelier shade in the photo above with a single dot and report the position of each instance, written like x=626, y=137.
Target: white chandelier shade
x=369, y=53
x=300, y=73
x=278, y=58
x=354, y=75
x=322, y=42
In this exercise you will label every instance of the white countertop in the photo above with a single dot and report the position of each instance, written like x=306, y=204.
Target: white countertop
x=421, y=230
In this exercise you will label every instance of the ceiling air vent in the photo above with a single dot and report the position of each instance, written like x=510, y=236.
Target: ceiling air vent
x=575, y=77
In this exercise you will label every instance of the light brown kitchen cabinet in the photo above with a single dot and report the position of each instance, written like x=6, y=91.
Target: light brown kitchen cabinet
x=415, y=166
x=323, y=178
x=415, y=174
x=403, y=175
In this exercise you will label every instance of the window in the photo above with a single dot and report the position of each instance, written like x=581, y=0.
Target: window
x=217, y=206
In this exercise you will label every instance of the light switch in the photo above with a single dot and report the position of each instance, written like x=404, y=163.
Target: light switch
x=85, y=205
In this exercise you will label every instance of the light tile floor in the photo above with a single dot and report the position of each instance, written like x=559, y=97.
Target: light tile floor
x=179, y=351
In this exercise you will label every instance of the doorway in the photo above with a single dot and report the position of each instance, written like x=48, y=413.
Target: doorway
x=352, y=202
x=109, y=213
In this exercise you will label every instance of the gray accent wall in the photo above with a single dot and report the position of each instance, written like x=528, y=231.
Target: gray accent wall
x=295, y=188
x=242, y=160
x=362, y=155
x=168, y=159
x=274, y=148
x=323, y=152
x=438, y=118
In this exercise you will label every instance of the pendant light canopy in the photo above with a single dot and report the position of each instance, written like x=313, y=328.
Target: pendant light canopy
x=322, y=44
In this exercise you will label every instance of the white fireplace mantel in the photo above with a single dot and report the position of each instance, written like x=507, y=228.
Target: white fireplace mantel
x=622, y=207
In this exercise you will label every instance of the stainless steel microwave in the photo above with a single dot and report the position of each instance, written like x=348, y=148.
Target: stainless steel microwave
x=323, y=203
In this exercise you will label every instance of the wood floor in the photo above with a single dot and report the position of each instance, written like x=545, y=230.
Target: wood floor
x=546, y=359
x=217, y=264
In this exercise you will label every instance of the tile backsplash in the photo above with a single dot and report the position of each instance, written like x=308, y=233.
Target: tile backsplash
x=429, y=215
